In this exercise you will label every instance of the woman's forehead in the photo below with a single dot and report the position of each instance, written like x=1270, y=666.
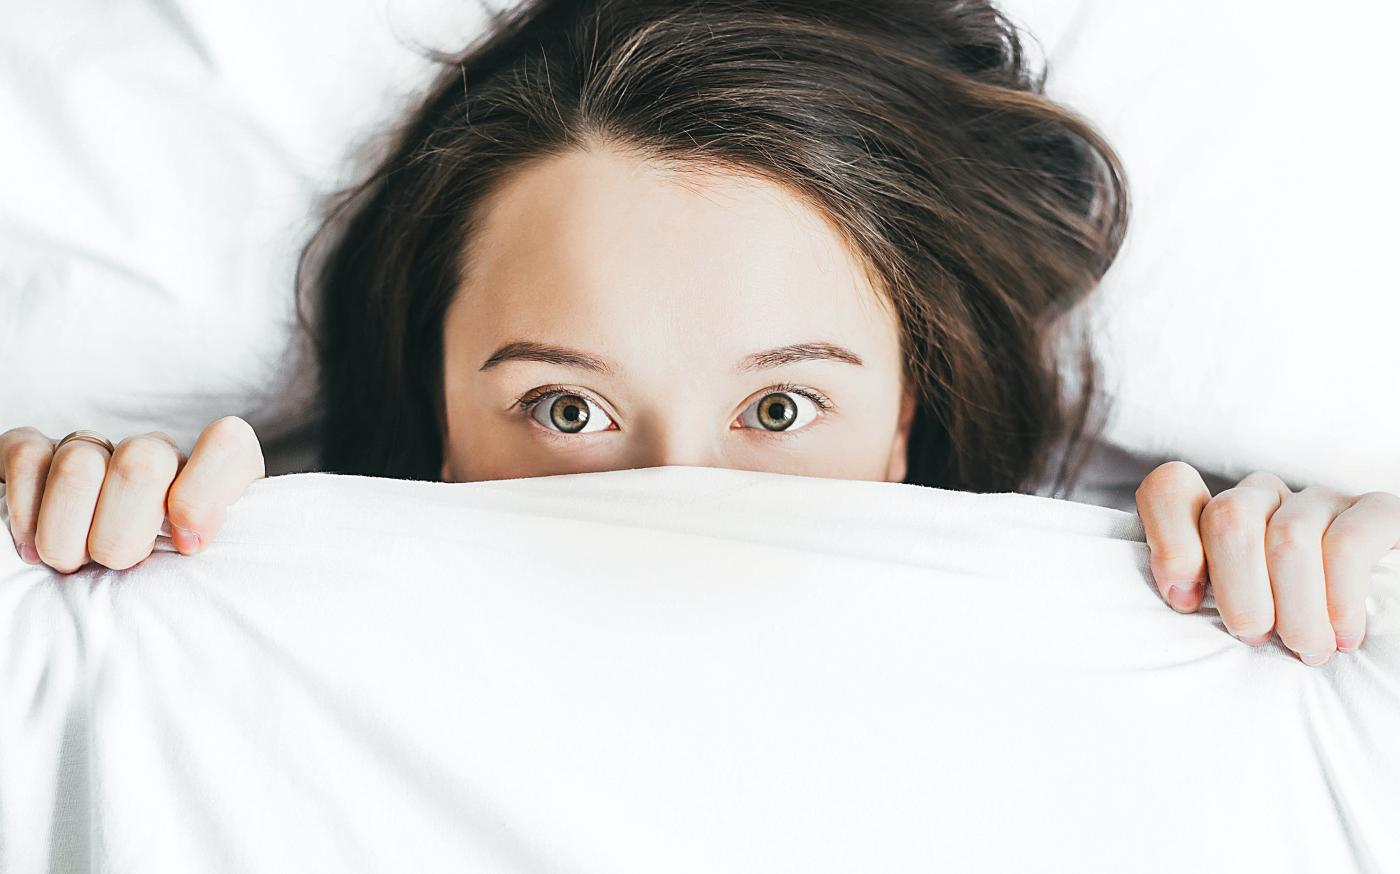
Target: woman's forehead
x=604, y=242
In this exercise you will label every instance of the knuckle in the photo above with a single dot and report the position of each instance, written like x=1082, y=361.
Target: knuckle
x=237, y=437
x=1387, y=501
x=231, y=429
x=159, y=437
x=1290, y=539
x=79, y=463
x=23, y=433
x=26, y=459
x=1319, y=492
x=1229, y=516
x=1167, y=475
x=142, y=458
x=1342, y=540
x=1262, y=479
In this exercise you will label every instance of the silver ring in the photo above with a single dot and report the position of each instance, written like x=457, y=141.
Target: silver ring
x=91, y=437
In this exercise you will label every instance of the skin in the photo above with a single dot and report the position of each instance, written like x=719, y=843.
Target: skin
x=77, y=503
x=670, y=282
x=660, y=288
x=1296, y=562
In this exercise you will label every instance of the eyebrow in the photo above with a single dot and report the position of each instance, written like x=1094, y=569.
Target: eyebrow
x=522, y=350
x=798, y=352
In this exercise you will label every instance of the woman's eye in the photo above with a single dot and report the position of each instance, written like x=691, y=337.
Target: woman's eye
x=779, y=411
x=569, y=414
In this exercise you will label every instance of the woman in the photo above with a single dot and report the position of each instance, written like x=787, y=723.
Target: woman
x=807, y=237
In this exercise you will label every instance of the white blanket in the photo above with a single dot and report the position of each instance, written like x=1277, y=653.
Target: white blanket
x=679, y=670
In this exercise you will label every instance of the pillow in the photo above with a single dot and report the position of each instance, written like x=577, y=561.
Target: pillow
x=1250, y=321
x=164, y=164
x=675, y=669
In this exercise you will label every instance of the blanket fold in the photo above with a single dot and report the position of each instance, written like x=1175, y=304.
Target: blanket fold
x=674, y=669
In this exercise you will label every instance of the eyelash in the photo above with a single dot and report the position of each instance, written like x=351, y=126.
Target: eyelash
x=527, y=401
x=822, y=401
x=534, y=396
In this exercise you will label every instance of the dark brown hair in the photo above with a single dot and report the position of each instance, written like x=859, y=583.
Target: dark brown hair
x=985, y=210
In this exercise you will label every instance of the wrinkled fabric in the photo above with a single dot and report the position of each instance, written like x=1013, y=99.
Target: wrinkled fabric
x=674, y=669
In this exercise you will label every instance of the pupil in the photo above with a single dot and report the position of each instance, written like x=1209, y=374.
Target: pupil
x=571, y=412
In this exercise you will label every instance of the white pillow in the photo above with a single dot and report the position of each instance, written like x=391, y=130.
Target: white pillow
x=163, y=164
x=675, y=669
x=1252, y=320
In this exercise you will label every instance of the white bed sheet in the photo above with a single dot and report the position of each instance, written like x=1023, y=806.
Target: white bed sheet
x=675, y=669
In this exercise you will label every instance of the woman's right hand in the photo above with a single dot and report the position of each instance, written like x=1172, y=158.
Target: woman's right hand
x=78, y=504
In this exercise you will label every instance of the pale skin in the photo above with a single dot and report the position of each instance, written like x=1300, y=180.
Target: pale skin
x=617, y=314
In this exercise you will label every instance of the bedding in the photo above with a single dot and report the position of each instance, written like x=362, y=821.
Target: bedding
x=1249, y=321
x=162, y=165
x=675, y=669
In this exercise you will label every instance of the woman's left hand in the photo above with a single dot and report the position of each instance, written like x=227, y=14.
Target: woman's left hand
x=1300, y=562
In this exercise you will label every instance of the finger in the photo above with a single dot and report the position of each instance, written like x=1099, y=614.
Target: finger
x=225, y=460
x=25, y=454
x=131, y=505
x=1351, y=546
x=1293, y=550
x=1170, y=501
x=70, y=497
x=1233, y=525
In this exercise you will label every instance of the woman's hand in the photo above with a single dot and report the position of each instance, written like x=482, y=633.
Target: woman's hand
x=1300, y=561
x=77, y=504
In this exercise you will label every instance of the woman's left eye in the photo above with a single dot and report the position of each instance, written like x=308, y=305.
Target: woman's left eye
x=780, y=411
x=569, y=413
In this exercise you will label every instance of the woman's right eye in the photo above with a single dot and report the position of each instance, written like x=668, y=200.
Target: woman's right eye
x=569, y=413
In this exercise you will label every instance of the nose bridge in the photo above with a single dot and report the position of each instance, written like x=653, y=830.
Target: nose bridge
x=676, y=442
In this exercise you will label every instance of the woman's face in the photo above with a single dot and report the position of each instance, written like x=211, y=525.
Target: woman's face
x=620, y=315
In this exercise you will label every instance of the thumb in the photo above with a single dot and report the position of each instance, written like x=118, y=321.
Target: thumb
x=225, y=460
x=1169, y=502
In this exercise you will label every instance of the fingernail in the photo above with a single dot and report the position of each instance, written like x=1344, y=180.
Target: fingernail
x=1182, y=595
x=28, y=553
x=190, y=539
x=1256, y=639
x=1347, y=642
x=1313, y=659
